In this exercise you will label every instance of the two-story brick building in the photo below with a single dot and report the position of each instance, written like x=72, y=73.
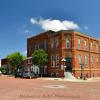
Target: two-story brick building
x=81, y=52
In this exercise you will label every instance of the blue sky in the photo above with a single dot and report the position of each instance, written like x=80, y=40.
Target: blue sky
x=15, y=15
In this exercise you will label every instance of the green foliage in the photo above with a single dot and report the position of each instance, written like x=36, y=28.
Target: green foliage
x=15, y=59
x=39, y=57
x=3, y=69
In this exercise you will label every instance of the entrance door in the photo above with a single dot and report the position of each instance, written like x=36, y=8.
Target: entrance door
x=68, y=65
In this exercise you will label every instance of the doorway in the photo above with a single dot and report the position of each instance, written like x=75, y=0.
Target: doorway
x=68, y=65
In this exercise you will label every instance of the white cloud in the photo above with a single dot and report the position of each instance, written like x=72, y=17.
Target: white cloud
x=33, y=21
x=55, y=25
x=27, y=31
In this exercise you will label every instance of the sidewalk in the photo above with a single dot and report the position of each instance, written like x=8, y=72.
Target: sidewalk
x=74, y=80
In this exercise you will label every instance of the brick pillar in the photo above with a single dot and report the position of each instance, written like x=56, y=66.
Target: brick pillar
x=73, y=45
x=89, y=58
x=62, y=46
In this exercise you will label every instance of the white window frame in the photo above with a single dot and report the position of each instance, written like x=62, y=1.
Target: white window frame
x=97, y=48
x=97, y=59
x=86, y=60
x=91, y=44
x=92, y=61
x=80, y=59
x=52, y=60
x=85, y=42
x=67, y=43
x=57, y=42
x=57, y=60
x=79, y=43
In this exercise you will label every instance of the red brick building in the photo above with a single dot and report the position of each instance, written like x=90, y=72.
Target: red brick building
x=81, y=52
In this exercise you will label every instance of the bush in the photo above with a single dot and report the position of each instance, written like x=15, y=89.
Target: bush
x=3, y=70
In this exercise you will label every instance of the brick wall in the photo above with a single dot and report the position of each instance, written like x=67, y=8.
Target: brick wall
x=56, y=47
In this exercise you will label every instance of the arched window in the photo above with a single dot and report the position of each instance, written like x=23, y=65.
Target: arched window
x=52, y=43
x=79, y=43
x=92, y=61
x=80, y=59
x=86, y=60
x=67, y=43
x=57, y=42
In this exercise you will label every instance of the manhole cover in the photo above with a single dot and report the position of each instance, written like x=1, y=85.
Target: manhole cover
x=54, y=86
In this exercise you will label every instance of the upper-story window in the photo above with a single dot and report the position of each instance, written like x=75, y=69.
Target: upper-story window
x=57, y=60
x=67, y=43
x=92, y=61
x=80, y=59
x=85, y=43
x=97, y=59
x=86, y=60
x=45, y=44
x=79, y=43
x=52, y=43
x=52, y=60
x=97, y=48
x=91, y=44
x=57, y=42
x=36, y=46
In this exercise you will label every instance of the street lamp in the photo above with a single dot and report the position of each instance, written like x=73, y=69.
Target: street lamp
x=63, y=61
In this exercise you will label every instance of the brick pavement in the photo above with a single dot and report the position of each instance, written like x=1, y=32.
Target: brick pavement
x=38, y=89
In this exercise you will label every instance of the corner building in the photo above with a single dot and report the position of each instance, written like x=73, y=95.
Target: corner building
x=81, y=52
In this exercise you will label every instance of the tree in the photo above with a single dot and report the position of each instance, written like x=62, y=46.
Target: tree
x=3, y=70
x=40, y=58
x=15, y=60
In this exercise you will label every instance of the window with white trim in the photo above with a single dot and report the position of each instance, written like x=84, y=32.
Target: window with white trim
x=52, y=43
x=97, y=48
x=57, y=60
x=67, y=43
x=92, y=61
x=85, y=43
x=97, y=59
x=91, y=44
x=80, y=59
x=79, y=43
x=86, y=60
x=57, y=42
x=52, y=61
x=45, y=44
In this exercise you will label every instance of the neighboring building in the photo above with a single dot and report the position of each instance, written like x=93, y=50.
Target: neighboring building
x=5, y=64
x=33, y=43
x=28, y=66
x=81, y=52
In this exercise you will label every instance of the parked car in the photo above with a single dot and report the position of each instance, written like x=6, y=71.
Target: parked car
x=18, y=74
x=28, y=74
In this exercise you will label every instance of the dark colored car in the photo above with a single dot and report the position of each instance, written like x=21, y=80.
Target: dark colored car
x=18, y=74
x=28, y=74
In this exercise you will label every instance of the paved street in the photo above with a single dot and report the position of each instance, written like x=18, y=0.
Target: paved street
x=40, y=89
